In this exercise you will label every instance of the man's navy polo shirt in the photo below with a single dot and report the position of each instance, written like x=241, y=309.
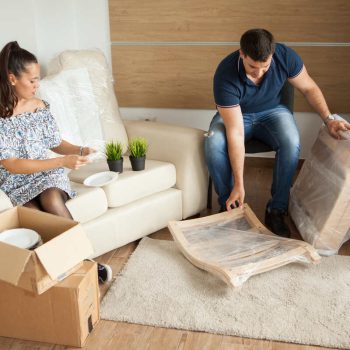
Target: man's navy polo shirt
x=233, y=88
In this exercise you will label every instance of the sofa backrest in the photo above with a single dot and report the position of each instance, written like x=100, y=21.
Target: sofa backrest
x=101, y=82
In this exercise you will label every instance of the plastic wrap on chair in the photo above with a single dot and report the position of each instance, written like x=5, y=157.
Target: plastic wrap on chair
x=234, y=245
x=320, y=197
x=101, y=85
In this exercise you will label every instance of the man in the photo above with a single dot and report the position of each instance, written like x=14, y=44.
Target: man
x=247, y=92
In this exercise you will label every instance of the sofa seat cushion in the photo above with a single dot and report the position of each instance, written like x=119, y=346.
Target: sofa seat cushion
x=131, y=185
x=89, y=204
x=120, y=226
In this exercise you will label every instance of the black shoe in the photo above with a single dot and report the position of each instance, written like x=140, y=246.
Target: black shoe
x=104, y=272
x=274, y=220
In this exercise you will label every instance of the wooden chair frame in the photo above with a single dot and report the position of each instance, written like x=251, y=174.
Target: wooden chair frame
x=217, y=244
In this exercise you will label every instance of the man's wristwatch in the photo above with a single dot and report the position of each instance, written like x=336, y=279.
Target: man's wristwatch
x=330, y=117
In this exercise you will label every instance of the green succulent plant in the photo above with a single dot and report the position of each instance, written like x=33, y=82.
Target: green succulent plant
x=138, y=147
x=114, y=150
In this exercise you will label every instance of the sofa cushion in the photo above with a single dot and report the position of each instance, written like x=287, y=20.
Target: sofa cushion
x=73, y=105
x=102, y=85
x=131, y=185
x=89, y=204
x=128, y=223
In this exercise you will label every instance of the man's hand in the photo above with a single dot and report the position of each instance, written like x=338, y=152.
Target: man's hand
x=236, y=198
x=334, y=126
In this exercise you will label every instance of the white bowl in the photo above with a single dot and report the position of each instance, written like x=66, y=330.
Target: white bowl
x=20, y=237
x=101, y=179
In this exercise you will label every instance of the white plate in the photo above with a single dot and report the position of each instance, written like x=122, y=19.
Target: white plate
x=20, y=237
x=101, y=179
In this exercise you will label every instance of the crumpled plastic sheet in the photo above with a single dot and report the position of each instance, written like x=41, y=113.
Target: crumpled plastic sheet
x=320, y=198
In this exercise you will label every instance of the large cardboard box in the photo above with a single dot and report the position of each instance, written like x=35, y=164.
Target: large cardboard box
x=65, y=314
x=65, y=247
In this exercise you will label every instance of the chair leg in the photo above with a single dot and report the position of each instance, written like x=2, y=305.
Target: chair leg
x=210, y=193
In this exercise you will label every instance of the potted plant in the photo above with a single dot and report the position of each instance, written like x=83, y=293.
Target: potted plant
x=114, y=154
x=137, y=149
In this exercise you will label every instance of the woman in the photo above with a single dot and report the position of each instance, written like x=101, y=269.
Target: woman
x=27, y=132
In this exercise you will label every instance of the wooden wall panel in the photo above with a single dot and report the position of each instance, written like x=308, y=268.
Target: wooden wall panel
x=330, y=68
x=166, y=76
x=226, y=20
x=181, y=76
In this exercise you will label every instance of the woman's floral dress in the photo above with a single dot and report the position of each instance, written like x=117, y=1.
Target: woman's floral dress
x=30, y=136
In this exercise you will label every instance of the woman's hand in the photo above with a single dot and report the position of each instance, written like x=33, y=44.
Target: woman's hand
x=87, y=150
x=74, y=162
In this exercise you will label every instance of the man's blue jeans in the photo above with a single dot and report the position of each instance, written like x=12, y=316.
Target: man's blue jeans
x=275, y=127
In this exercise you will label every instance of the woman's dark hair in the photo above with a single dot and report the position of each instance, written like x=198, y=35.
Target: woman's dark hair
x=13, y=59
x=258, y=44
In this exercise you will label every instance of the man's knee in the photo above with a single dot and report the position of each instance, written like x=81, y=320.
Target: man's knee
x=290, y=144
x=216, y=139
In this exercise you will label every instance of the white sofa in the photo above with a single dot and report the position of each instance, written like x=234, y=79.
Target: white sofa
x=172, y=187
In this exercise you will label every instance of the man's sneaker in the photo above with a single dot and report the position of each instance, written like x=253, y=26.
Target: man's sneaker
x=104, y=272
x=274, y=220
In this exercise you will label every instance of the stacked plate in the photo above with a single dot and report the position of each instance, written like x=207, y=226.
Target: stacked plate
x=21, y=237
x=101, y=179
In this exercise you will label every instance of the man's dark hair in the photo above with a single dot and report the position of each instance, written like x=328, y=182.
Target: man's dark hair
x=258, y=44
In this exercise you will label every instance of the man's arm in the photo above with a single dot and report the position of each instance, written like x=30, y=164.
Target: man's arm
x=233, y=120
x=306, y=85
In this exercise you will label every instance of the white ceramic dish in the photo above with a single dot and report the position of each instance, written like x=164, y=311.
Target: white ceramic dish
x=20, y=237
x=101, y=179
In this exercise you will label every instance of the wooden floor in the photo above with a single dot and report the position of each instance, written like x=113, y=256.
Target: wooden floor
x=119, y=336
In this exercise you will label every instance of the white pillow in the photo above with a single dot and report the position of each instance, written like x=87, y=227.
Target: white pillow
x=73, y=104
x=101, y=80
x=53, y=91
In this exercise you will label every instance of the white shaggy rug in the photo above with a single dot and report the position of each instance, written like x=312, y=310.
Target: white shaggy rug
x=296, y=303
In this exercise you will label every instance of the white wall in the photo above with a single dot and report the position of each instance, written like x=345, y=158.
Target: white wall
x=47, y=27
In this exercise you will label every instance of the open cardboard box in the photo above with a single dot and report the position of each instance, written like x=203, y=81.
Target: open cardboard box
x=65, y=247
x=65, y=314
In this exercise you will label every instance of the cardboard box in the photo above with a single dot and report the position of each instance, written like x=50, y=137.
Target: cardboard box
x=65, y=247
x=65, y=314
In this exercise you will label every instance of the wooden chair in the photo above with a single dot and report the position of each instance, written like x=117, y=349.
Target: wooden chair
x=235, y=245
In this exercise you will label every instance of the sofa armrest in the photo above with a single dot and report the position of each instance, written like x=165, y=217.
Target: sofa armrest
x=183, y=147
x=5, y=202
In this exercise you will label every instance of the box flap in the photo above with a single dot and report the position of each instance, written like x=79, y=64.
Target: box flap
x=47, y=225
x=9, y=219
x=64, y=252
x=12, y=262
